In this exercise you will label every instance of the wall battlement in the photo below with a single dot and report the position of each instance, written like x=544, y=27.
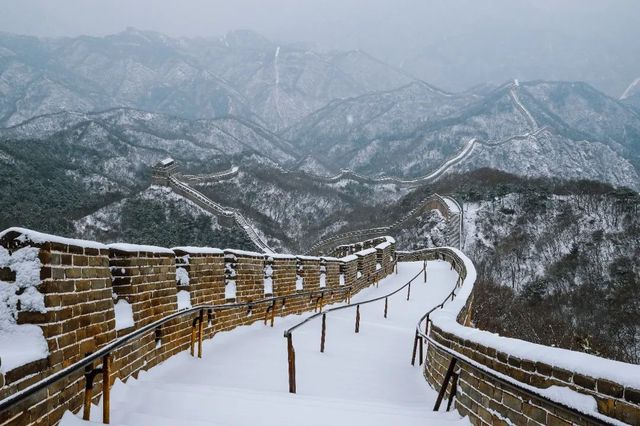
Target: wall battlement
x=531, y=374
x=92, y=294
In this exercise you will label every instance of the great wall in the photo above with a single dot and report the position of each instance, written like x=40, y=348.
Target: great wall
x=82, y=284
x=167, y=174
x=111, y=312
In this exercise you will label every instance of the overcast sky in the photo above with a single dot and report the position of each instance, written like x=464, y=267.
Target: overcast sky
x=394, y=30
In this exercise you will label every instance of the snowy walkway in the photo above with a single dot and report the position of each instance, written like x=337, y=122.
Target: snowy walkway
x=363, y=378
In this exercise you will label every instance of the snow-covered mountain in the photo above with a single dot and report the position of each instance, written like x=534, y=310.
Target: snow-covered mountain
x=532, y=129
x=557, y=260
x=241, y=74
x=121, y=144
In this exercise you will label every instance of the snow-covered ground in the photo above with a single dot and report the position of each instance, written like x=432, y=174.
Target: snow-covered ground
x=363, y=378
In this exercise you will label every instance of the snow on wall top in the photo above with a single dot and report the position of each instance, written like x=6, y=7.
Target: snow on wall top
x=246, y=253
x=134, y=248
x=198, y=250
x=349, y=258
x=365, y=252
x=40, y=238
x=308, y=257
x=383, y=246
x=281, y=256
x=622, y=373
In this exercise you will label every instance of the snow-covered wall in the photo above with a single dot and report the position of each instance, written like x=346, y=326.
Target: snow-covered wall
x=585, y=383
x=61, y=299
x=446, y=206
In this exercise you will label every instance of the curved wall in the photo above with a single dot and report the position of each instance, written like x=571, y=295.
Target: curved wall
x=496, y=370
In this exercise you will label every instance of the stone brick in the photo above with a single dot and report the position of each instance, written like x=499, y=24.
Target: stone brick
x=584, y=381
x=553, y=420
x=512, y=402
x=536, y=413
x=562, y=374
x=609, y=388
x=632, y=395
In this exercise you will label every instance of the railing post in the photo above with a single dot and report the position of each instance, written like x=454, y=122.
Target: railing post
x=409, y=291
x=292, y=364
x=267, y=313
x=193, y=337
x=200, y=332
x=358, y=319
x=106, y=389
x=88, y=394
x=421, y=343
x=273, y=313
x=415, y=348
x=445, y=383
x=386, y=306
x=89, y=374
x=324, y=331
x=454, y=390
x=425, y=271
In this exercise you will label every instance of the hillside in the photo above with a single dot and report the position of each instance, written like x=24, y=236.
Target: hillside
x=533, y=129
x=556, y=260
x=240, y=75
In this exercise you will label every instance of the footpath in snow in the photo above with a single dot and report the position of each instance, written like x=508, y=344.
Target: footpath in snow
x=363, y=378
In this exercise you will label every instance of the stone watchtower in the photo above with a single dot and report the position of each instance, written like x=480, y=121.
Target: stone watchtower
x=162, y=171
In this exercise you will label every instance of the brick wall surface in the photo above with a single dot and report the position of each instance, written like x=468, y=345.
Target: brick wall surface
x=490, y=402
x=80, y=285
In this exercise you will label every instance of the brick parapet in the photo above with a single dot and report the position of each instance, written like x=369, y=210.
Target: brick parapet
x=80, y=284
x=489, y=401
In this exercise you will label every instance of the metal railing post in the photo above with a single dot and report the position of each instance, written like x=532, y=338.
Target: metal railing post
x=415, y=348
x=106, y=389
x=273, y=313
x=291, y=358
x=193, y=337
x=324, y=331
x=200, y=332
x=386, y=306
x=425, y=271
x=445, y=383
x=358, y=319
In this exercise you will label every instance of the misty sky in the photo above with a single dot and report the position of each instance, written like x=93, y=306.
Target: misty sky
x=394, y=30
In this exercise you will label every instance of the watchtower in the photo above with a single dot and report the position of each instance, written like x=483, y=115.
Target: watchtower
x=163, y=170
